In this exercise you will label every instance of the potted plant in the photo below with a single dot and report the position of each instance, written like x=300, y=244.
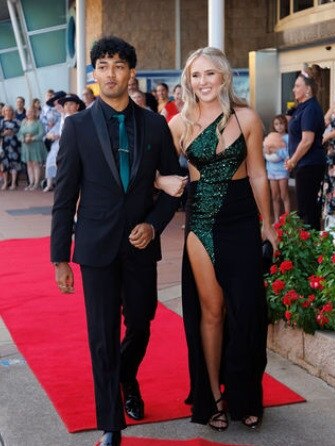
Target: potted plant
x=300, y=285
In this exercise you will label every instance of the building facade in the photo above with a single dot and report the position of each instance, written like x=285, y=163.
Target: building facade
x=270, y=38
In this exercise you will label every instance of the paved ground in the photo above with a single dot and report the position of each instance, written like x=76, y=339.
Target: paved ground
x=27, y=417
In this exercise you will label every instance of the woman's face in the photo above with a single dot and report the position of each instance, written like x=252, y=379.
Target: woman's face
x=205, y=79
x=301, y=91
x=177, y=94
x=162, y=93
x=138, y=98
x=31, y=113
x=8, y=113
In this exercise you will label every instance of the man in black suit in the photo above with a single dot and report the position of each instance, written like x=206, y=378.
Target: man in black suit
x=119, y=220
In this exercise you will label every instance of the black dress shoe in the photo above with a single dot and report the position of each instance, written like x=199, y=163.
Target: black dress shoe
x=110, y=439
x=133, y=403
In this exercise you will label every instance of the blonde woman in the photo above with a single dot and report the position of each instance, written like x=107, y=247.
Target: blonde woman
x=33, y=151
x=224, y=303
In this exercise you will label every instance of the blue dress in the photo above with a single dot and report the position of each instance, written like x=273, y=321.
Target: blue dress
x=10, y=156
x=223, y=214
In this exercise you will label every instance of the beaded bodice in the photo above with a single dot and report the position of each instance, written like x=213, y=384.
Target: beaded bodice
x=216, y=170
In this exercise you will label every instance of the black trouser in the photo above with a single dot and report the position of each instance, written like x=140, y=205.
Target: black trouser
x=308, y=181
x=133, y=285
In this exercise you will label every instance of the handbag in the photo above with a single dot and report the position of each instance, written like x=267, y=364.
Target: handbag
x=267, y=256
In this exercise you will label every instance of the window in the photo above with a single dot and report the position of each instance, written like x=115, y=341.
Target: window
x=41, y=14
x=46, y=25
x=9, y=56
x=300, y=5
x=11, y=64
x=49, y=48
x=284, y=10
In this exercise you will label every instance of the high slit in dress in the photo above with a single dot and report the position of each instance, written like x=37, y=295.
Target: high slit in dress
x=223, y=214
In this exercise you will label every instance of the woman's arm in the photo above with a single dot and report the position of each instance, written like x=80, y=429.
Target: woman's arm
x=21, y=133
x=328, y=136
x=328, y=116
x=40, y=132
x=173, y=184
x=303, y=147
x=253, y=131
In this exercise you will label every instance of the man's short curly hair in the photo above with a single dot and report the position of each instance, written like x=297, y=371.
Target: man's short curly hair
x=111, y=45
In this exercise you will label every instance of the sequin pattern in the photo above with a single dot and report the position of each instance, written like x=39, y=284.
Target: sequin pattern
x=216, y=170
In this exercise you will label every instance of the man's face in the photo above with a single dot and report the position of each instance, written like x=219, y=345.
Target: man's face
x=70, y=107
x=132, y=85
x=113, y=75
x=19, y=103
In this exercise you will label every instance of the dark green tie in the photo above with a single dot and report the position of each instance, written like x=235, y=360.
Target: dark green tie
x=123, y=151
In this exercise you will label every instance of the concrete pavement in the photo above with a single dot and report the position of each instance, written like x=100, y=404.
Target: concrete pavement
x=27, y=418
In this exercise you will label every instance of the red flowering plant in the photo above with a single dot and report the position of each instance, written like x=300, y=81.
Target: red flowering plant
x=301, y=282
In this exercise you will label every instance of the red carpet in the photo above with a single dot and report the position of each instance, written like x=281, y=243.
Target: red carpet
x=131, y=441
x=50, y=331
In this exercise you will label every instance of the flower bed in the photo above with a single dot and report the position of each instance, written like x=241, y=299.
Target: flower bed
x=301, y=282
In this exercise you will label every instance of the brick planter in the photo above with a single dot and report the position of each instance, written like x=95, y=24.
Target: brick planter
x=314, y=353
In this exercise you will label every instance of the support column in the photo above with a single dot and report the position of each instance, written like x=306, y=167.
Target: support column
x=177, y=36
x=216, y=23
x=81, y=45
x=17, y=34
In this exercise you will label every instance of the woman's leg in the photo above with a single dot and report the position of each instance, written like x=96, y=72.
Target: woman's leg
x=49, y=185
x=37, y=174
x=308, y=183
x=14, y=178
x=275, y=195
x=30, y=172
x=5, y=181
x=212, y=317
x=284, y=193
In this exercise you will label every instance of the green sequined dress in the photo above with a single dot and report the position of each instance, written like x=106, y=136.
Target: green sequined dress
x=223, y=214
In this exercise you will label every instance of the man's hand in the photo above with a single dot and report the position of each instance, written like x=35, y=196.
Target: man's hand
x=142, y=235
x=64, y=278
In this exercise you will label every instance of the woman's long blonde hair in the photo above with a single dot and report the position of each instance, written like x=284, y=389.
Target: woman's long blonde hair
x=227, y=97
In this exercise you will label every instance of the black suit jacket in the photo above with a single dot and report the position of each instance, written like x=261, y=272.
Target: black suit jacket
x=106, y=215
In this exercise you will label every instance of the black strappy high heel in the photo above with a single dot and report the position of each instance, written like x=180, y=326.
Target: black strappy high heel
x=220, y=417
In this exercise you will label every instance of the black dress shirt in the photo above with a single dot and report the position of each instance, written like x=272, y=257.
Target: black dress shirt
x=113, y=128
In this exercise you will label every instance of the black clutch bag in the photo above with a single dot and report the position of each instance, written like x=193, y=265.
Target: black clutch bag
x=267, y=255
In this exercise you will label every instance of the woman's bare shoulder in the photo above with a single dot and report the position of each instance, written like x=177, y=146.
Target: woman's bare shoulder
x=248, y=117
x=176, y=122
x=176, y=125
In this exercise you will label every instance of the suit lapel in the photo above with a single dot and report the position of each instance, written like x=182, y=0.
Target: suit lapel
x=104, y=139
x=139, y=134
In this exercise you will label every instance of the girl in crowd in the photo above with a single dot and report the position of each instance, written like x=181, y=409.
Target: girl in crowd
x=276, y=152
x=224, y=303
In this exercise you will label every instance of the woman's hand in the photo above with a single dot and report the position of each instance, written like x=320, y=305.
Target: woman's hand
x=268, y=233
x=289, y=164
x=173, y=185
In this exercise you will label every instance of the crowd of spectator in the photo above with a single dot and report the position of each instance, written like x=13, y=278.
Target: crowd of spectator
x=29, y=142
x=30, y=134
